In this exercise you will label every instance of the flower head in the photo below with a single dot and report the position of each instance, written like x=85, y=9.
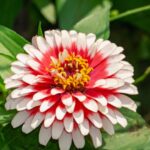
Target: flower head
x=71, y=85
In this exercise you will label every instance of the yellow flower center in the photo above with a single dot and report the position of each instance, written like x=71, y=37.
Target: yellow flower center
x=72, y=73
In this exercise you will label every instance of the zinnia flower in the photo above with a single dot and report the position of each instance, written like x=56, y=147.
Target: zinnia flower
x=71, y=85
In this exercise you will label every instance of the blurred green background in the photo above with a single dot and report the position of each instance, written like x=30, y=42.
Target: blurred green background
x=97, y=16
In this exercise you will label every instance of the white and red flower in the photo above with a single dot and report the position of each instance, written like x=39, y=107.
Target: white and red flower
x=72, y=85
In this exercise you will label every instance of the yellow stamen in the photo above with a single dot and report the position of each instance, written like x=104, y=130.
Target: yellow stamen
x=72, y=74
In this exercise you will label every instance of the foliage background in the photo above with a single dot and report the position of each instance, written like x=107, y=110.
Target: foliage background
x=100, y=17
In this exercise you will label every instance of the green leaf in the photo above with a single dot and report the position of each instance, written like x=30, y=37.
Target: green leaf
x=40, y=32
x=9, y=10
x=137, y=140
x=10, y=45
x=85, y=16
x=47, y=9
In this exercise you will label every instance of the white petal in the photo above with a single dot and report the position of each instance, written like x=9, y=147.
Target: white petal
x=40, y=95
x=81, y=41
x=111, y=116
x=56, y=91
x=120, y=118
x=66, y=41
x=108, y=126
x=50, y=38
x=37, y=120
x=32, y=51
x=12, y=103
x=103, y=109
x=91, y=105
x=113, y=68
x=27, y=90
x=44, y=135
x=122, y=74
x=31, y=104
x=30, y=79
x=57, y=129
x=70, y=109
x=115, y=58
x=57, y=36
x=42, y=44
x=128, y=89
x=34, y=64
x=78, y=139
x=95, y=119
x=73, y=36
x=13, y=84
x=81, y=97
x=23, y=58
x=68, y=124
x=16, y=93
x=60, y=113
x=90, y=39
x=19, y=118
x=96, y=136
x=49, y=118
x=18, y=64
x=127, y=102
x=19, y=70
x=67, y=99
x=114, y=101
x=65, y=141
x=118, y=50
x=22, y=105
x=78, y=116
x=84, y=127
x=46, y=104
x=26, y=128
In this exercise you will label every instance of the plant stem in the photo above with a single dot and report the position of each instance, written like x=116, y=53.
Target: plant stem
x=142, y=77
x=130, y=12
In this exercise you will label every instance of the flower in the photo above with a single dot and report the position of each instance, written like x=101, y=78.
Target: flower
x=72, y=85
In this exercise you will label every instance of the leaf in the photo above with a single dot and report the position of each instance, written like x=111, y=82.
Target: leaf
x=11, y=41
x=10, y=45
x=85, y=16
x=137, y=140
x=40, y=32
x=47, y=9
x=9, y=10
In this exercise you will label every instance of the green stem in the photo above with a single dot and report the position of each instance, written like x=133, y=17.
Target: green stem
x=142, y=77
x=130, y=12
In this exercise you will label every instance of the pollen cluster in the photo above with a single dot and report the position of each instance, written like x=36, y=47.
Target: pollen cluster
x=73, y=73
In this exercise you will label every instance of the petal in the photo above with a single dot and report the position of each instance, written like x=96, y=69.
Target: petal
x=60, y=112
x=120, y=118
x=65, y=141
x=67, y=99
x=84, y=127
x=81, y=97
x=78, y=139
x=95, y=119
x=91, y=105
x=57, y=129
x=68, y=124
x=114, y=101
x=44, y=135
x=19, y=118
x=37, y=120
x=96, y=136
x=78, y=116
x=108, y=126
x=49, y=118
x=26, y=128
x=46, y=104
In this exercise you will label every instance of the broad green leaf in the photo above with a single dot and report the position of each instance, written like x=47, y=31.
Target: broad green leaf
x=11, y=41
x=47, y=9
x=9, y=10
x=10, y=45
x=96, y=22
x=85, y=16
x=132, y=140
